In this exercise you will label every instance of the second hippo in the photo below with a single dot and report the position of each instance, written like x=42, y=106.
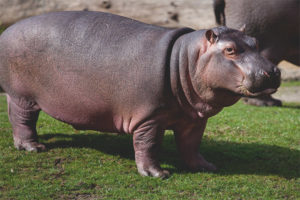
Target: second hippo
x=109, y=73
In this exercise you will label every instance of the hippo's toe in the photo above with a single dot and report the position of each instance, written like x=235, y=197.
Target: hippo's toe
x=153, y=171
x=30, y=146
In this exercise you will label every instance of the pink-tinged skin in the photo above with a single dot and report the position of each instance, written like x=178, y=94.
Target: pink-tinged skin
x=108, y=73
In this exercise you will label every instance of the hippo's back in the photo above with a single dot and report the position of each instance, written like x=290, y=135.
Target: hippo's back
x=96, y=60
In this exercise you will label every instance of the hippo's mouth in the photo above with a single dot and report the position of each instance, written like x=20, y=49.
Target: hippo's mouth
x=245, y=92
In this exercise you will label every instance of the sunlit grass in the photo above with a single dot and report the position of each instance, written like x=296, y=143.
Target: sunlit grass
x=257, y=152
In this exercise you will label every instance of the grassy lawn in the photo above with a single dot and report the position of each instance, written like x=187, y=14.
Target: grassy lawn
x=290, y=83
x=257, y=152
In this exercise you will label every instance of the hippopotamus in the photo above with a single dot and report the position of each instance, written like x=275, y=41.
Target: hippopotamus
x=99, y=71
x=274, y=23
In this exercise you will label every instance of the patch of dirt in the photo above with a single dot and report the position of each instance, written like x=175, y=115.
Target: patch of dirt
x=288, y=94
x=289, y=72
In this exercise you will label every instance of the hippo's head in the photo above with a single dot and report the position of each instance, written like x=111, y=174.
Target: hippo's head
x=219, y=66
x=236, y=65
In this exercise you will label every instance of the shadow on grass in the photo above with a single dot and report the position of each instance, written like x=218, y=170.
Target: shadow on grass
x=229, y=157
x=291, y=105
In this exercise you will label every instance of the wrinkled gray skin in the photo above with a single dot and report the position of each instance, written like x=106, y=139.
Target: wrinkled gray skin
x=109, y=73
x=274, y=23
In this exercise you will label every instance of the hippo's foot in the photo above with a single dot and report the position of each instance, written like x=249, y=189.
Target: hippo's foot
x=147, y=141
x=198, y=163
x=145, y=170
x=263, y=101
x=30, y=146
x=149, y=167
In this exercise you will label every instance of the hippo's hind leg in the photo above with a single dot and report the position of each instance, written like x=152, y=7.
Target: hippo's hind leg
x=147, y=140
x=23, y=115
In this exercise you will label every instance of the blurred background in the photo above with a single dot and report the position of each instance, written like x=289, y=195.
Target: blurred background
x=170, y=13
x=195, y=14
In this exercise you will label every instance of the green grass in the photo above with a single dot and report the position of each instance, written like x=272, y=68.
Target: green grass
x=257, y=151
x=290, y=83
x=2, y=28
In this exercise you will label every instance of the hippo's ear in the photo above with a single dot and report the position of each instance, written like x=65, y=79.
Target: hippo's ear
x=210, y=36
x=243, y=28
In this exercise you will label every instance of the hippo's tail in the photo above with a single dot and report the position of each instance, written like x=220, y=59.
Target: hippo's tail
x=219, y=9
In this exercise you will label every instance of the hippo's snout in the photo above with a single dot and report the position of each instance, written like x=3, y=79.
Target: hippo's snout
x=261, y=82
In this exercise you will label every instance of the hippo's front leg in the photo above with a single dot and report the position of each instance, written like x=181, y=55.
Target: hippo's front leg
x=188, y=138
x=147, y=141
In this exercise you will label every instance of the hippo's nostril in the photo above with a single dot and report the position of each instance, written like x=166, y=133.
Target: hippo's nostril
x=266, y=74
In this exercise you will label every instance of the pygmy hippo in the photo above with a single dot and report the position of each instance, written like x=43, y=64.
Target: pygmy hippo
x=274, y=23
x=109, y=73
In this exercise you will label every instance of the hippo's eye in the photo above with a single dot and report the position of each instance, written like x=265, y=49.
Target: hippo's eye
x=229, y=51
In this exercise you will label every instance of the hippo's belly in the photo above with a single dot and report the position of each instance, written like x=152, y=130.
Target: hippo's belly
x=80, y=112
